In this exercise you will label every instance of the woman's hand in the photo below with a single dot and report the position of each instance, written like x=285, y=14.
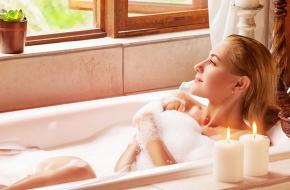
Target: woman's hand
x=173, y=103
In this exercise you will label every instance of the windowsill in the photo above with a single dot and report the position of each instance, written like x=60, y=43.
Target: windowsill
x=103, y=43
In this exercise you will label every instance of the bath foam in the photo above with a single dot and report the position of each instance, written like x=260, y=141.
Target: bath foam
x=182, y=136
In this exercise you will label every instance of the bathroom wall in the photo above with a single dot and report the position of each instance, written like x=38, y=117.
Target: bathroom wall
x=58, y=77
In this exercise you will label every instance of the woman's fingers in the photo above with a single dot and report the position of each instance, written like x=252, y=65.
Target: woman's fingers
x=175, y=105
x=181, y=108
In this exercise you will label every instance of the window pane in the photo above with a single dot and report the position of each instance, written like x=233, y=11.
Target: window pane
x=51, y=16
x=145, y=7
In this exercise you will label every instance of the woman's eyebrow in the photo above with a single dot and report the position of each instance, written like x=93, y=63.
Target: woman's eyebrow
x=214, y=55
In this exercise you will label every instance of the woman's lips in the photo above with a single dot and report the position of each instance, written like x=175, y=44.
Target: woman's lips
x=197, y=79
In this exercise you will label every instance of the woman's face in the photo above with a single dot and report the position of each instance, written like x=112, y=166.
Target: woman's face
x=213, y=78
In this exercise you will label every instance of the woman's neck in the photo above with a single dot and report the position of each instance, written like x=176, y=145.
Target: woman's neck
x=226, y=114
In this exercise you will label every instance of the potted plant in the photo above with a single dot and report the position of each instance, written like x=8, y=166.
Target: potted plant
x=13, y=27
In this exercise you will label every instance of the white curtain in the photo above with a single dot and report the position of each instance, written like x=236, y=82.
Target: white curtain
x=223, y=21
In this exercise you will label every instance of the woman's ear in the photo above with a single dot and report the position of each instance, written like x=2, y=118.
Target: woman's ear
x=242, y=84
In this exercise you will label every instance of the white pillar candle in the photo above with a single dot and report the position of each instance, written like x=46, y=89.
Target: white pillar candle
x=228, y=160
x=256, y=150
x=247, y=3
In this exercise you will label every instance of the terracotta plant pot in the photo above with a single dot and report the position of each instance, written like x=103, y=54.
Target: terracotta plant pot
x=12, y=36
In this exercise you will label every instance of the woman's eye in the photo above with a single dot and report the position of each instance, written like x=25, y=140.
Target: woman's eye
x=211, y=62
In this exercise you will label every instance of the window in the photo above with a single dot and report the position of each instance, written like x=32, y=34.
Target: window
x=66, y=20
x=137, y=17
x=54, y=20
x=152, y=16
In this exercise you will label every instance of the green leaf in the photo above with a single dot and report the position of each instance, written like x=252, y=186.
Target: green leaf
x=12, y=16
x=2, y=15
x=20, y=15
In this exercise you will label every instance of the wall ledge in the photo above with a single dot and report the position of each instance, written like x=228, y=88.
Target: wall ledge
x=103, y=43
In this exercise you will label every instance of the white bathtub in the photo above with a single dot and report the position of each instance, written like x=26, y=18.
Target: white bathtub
x=96, y=131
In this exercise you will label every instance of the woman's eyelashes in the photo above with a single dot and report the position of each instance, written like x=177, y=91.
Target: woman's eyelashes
x=211, y=62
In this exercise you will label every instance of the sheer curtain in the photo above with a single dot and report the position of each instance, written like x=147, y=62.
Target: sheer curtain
x=223, y=21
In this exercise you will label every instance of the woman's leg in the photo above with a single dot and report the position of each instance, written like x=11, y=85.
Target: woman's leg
x=56, y=171
x=128, y=157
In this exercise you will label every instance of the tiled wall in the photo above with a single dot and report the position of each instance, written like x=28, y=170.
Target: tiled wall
x=96, y=73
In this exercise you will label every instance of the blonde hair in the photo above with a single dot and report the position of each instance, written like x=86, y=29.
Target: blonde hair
x=251, y=58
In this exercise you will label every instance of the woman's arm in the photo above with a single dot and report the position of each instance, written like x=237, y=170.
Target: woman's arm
x=148, y=135
x=128, y=157
x=159, y=153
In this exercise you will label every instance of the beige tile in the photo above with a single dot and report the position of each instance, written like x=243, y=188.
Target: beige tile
x=163, y=64
x=62, y=78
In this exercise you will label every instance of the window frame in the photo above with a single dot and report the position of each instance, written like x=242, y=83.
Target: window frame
x=121, y=25
x=98, y=32
x=112, y=19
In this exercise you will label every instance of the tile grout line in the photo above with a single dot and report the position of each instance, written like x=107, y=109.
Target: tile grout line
x=123, y=71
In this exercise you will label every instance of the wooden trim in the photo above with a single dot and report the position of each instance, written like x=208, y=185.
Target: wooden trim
x=144, y=7
x=152, y=8
x=81, y=4
x=98, y=32
x=118, y=23
x=123, y=13
x=100, y=14
x=161, y=22
x=161, y=30
x=168, y=19
x=64, y=37
x=111, y=17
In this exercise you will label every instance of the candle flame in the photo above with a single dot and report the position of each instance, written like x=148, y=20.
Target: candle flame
x=254, y=127
x=228, y=134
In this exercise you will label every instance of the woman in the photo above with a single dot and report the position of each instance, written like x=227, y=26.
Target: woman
x=239, y=80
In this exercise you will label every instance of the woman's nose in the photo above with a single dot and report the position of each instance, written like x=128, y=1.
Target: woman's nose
x=199, y=67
